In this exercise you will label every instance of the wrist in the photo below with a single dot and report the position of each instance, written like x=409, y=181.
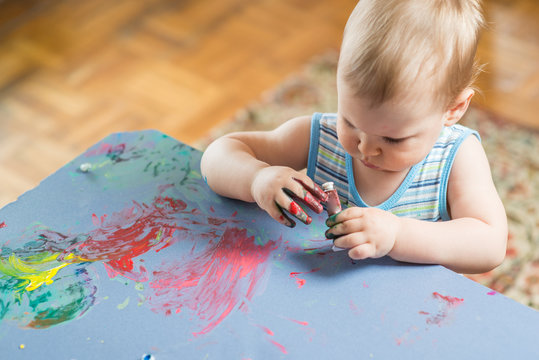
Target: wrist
x=399, y=224
x=255, y=179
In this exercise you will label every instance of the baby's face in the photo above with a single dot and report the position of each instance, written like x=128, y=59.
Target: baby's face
x=391, y=137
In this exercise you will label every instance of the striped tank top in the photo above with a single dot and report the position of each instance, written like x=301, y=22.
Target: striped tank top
x=421, y=195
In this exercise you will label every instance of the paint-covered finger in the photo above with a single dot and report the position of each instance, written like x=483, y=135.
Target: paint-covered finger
x=282, y=217
x=306, y=197
x=299, y=213
x=295, y=210
x=314, y=190
x=287, y=203
x=304, y=193
x=350, y=213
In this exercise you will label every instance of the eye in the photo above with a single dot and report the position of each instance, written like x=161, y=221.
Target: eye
x=392, y=140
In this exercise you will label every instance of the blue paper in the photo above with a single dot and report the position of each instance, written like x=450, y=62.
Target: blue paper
x=135, y=255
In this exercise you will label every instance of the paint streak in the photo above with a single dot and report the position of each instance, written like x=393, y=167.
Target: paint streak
x=110, y=150
x=281, y=347
x=447, y=304
x=34, y=270
x=221, y=278
x=299, y=281
x=68, y=298
x=452, y=301
x=3, y=224
x=123, y=305
x=128, y=234
x=491, y=293
x=302, y=323
x=266, y=330
x=446, y=307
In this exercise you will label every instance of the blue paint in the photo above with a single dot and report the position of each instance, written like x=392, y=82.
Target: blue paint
x=147, y=357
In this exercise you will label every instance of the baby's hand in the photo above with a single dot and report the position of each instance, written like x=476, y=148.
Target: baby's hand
x=366, y=232
x=277, y=188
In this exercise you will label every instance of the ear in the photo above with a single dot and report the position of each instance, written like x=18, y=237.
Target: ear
x=459, y=107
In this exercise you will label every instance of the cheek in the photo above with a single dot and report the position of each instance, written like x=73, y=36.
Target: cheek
x=407, y=157
x=347, y=140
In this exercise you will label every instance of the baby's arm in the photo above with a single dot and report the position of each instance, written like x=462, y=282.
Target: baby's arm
x=473, y=241
x=257, y=166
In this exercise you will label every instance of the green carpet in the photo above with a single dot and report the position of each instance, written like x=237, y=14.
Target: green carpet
x=511, y=150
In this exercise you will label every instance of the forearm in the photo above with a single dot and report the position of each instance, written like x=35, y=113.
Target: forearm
x=229, y=167
x=465, y=245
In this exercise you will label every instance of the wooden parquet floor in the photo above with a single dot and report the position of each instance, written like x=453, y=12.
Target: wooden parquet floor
x=72, y=72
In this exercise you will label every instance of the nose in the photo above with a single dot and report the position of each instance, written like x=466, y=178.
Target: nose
x=368, y=146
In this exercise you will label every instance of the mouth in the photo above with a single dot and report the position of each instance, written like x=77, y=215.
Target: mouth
x=369, y=165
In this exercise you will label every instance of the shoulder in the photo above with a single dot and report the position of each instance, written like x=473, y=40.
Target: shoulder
x=471, y=191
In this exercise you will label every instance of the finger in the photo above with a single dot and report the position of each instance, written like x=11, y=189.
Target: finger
x=299, y=213
x=279, y=215
x=307, y=198
x=350, y=241
x=362, y=251
x=314, y=189
x=285, y=202
x=350, y=213
x=347, y=227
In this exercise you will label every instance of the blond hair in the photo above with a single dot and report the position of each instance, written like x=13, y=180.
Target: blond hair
x=391, y=45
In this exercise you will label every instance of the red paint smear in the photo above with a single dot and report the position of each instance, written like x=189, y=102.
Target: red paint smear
x=3, y=224
x=281, y=347
x=216, y=281
x=448, y=304
x=299, y=281
x=453, y=301
x=106, y=148
x=304, y=323
x=491, y=293
x=215, y=221
x=266, y=330
x=128, y=234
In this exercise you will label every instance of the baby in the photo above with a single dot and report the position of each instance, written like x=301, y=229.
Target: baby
x=415, y=185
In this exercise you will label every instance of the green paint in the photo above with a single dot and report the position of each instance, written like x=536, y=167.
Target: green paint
x=124, y=304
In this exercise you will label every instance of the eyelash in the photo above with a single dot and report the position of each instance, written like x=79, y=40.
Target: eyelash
x=387, y=140
x=392, y=141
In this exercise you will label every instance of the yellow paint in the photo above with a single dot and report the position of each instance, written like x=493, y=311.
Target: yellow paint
x=35, y=270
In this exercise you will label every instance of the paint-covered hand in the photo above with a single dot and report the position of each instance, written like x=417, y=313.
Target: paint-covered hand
x=364, y=232
x=279, y=188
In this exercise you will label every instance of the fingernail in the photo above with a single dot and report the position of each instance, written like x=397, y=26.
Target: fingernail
x=330, y=235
